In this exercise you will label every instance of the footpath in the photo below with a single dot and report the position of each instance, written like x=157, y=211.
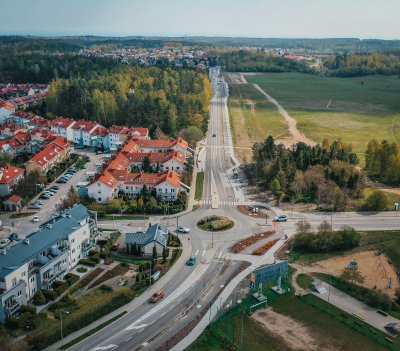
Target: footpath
x=135, y=303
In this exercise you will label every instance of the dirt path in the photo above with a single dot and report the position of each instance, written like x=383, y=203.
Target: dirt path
x=295, y=135
x=379, y=186
x=296, y=335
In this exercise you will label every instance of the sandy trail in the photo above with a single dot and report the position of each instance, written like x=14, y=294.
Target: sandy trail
x=295, y=135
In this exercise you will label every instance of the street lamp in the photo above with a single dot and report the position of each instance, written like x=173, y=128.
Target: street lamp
x=331, y=217
x=61, y=325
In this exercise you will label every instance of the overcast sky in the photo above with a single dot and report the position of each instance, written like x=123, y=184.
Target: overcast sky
x=255, y=18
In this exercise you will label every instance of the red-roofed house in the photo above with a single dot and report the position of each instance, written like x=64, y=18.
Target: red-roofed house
x=82, y=132
x=63, y=127
x=6, y=111
x=46, y=159
x=14, y=203
x=9, y=177
x=173, y=160
x=139, y=133
x=148, y=146
x=117, y=136
x=103, y=188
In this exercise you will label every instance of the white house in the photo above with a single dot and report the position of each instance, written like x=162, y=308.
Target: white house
x=9, y=177
x=63, y=127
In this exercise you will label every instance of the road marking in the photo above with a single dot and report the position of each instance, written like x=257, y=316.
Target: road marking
x=220, y=254
x=134, y=327
x=197, y=252
x=112, y=346
x=128, y=338
x=204, y=252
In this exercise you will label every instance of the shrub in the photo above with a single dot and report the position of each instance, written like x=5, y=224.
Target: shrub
x=377, y=201
x=81, y=269
x=60, y=286
x=87, y=262
x=39, y=299
x=105, y=288
x=95, y=258
x=49, y=294
x=28, y=308
x=103, y=255
x=71, y=278
x=66, y=301
x=263, y=249
x=108, y=260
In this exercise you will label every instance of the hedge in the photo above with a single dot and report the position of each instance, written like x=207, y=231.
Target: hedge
x=87, y=262
x=49, y=294
x=71, y=278
x=60, y=286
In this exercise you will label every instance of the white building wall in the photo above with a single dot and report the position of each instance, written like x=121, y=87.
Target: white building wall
x=148, y=249
x=75, y=240
x=100, y=192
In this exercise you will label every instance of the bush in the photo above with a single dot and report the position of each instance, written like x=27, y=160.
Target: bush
x=71, y=278
x=66, y=301
x=49, y=294
x=343, y=239
x=81, y=269
x=60, y=286
x=105, y=288
x=377, y=201
x=87, y=262
x=28, y=309
x=95, y=258
x=108, y=260
x=39, y=299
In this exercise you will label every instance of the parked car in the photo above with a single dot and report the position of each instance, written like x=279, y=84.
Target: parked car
x=191, y=261
x=50, y=190
x=38, y=202
x=44, y=196
x=61, y=181
x=55, y=187
x=157, y=296
x=35, y=219
x=50, y=193
x=281, y=218
x=183, y=229
x=34, y=206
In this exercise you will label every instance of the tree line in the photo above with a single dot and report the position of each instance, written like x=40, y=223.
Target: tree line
x=382, y=160
x=325, y=173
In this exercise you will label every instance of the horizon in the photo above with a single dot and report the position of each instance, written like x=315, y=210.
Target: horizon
x=306, y=19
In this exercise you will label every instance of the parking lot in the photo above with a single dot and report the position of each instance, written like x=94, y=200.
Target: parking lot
x=26, y=225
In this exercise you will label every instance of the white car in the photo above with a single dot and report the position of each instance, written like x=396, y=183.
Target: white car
x=35, y=219
x=183, y=229
x=281, y=218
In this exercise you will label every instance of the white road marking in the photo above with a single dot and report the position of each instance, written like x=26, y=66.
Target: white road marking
x=128, y=338
x=112, y=346
x=220, y=254
x=204, y=252
x=189, y=282
x=138, y=326
x=197, y=252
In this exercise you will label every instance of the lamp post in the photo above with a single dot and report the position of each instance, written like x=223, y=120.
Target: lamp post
x=331, y=217
x=61, y=326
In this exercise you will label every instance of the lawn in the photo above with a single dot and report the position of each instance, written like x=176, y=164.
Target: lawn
x=199, y=186
x=353, y=109
x=250, y=112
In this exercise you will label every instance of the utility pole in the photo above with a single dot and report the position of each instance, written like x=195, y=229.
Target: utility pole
x=331, y=218
x=212, y=238
x=61, y=326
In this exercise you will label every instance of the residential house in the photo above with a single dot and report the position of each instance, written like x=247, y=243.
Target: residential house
x=160, y=161
x=6, y=111
x=117, y=137
x=44, y=257
x=139, y=133
x=13, y=203
x=63, y=127
x=155, y=236
x=57, y=151
x=148, y=146
x=83, y=131
x=9, y=177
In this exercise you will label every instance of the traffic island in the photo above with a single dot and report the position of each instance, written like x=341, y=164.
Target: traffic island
x=215, y=223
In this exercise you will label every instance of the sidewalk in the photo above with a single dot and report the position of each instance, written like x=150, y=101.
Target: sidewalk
x=351, y=305
x=135, y=303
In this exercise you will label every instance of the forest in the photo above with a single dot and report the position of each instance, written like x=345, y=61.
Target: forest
x=165, y=99
x=325, y=174
x=361, y=64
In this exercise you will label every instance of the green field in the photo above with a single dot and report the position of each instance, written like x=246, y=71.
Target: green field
x=353, y=109
x=199, y=186
x=252, y=119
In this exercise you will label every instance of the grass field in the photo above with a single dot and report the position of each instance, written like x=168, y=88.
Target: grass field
x=353, y=109
x=199, y=186
x=250, y=112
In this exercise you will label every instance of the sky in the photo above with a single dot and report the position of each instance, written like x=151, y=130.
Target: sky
x=243, y=18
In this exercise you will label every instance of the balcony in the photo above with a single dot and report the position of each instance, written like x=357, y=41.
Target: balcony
x=11, y=306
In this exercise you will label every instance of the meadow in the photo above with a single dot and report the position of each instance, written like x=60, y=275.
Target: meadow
x=352, y=109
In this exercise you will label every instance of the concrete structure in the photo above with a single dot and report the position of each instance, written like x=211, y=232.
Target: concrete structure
x=44, y=257
x=14, y=203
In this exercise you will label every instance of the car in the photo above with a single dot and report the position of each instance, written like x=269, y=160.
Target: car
x=55, y=187
x=50, y=190
x=214, y=135
x=35, y=219
x=34, y=207
x=45, y=196
x=281, y=218
x=157, y=296
x=191, y=261
x=61, y=180
x=183, y=229
x=38, y=202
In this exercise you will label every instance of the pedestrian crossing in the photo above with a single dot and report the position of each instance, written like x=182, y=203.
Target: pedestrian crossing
x=220, y=203
x=190, y=281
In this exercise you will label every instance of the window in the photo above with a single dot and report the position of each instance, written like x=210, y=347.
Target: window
x=73, y=250
x=19, y=293
x=99, y=192
x=14, y=281
x=23, y=274
x=172, y=190
x=99, y=199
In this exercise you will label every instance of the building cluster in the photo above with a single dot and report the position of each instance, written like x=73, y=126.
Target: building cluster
x=50, y=142
x=124, y=171
x=35, y=262
x=22, y=96
x=176, y=57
